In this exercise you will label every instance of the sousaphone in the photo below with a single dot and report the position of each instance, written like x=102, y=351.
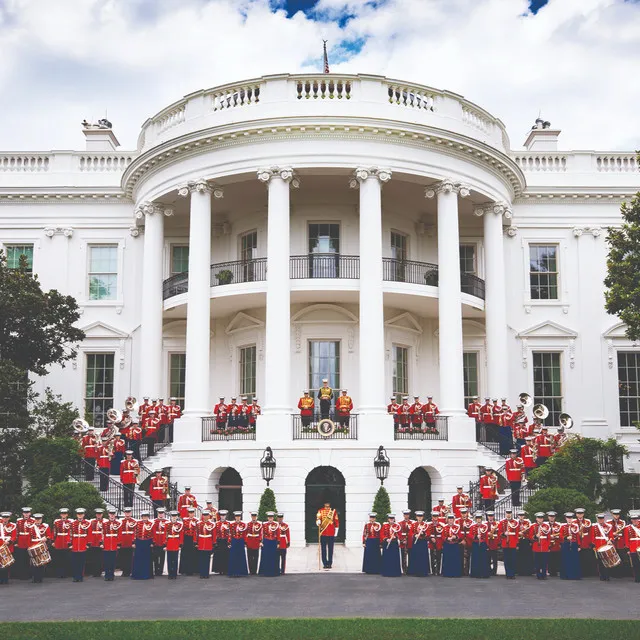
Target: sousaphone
x=565, y=420
x=525, y=400
x=540, y=411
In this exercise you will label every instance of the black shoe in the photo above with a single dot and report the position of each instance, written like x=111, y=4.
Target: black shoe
x=76, y=580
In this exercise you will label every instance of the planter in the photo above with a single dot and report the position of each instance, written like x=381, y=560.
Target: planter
x=225, y=276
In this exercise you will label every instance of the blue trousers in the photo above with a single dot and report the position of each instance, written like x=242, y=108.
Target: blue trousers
x=238, y=558
x=109, y=563
x=326, y=543
x=451, y=560
x=269, y=559
x=509, y=562
x=419, y=559
x=142, y=568
x=78, y=559
x=540, y=561
x=172, y=563
x=479, y=565
x=204, y=562
x=371, y=558
x=570, y=561
x=391, y=567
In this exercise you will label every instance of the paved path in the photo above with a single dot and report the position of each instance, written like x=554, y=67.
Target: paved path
x=317, y=596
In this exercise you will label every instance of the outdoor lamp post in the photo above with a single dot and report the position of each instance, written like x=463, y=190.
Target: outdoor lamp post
x=381, y=464
x=268, y=465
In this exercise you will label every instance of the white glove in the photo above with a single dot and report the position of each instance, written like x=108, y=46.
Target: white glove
x=337, y=531
x=317, y=523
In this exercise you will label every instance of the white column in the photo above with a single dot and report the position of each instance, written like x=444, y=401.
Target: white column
x=495, y=300
x=449, y=297
x=151, y=314
x=198, y=342
x=372, y=393
x=277, y=345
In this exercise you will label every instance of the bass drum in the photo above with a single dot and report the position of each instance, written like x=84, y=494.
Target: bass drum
x=608, y=556
x=39, y=554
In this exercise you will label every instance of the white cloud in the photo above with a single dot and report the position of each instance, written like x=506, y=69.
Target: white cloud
x=577, y=60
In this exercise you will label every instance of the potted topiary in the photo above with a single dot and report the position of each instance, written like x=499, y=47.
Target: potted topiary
x=431, y=278
x=225, y=276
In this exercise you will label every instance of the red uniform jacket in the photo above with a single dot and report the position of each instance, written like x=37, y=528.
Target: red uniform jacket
x=419, y=531
x=144, y=530
x=600, y=534
x=80, y=535
x=174, y=412
x=555, y=539
x=119, y=446
x=159, y=531
x=143, y=408
x=185, y=501
x=477, y=533
x=344, y=405
x=486, y=413
x=285, y=536
x=514, y=468
x=488, y=487
x=519, y=424
x=540, y=535
x=270, y=531
x=163, y=413
x=220, y=412
x=436, y=530
x=371, y=530
x=306, y=405
x=568, y=532
x=452, y=534
x=223, y=531
x=473, y=410
x=392, y=408
x=158, y=488
x=632, y=538
x=89, y=444
x=245, y=411
x=23, y=534
x=40, y=532
x=206, y=535
x=493, y=535
x=465, y=525
x=135, y=432
x=545, y=445
x=441, y=509
x=390, y=531
x=415, y=411
x=496, y=411
x=457, y=502
x=405, y=531
x=617, y=532
x=237, y=530
x=111, y=534
x=233, y=409
x=509, y=531
x=129, y=470
x=127, y=532
x=404, y=413
x=526, y=453
x=104, y=457
x=97, y=531
x=174, y=535
x=430, y=411
x=328, y=514
x=584, y=533
x=8, y=534
x=153, y=426
x=253, y=535
x=256, y=410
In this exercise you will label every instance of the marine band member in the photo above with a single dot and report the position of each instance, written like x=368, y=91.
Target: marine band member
x=306, y=405
x=325, y=395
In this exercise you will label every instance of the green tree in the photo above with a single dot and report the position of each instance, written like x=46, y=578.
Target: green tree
x=622, y=494
x=382, y=505
x=52, y=417
x=267, y=503
x=48, y=461
x=560, y=500
x=622, y=296
x=66, y=494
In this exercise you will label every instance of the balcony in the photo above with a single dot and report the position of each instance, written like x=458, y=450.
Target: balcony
x=211, y=432
x=425, y=273
x=324, y=265
x=424, y=431
x=311, y=432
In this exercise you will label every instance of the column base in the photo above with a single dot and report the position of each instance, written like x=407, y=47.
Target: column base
x=187, y=431
x=462, y=429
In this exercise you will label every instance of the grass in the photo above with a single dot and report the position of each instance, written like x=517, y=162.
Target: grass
x=327, y=629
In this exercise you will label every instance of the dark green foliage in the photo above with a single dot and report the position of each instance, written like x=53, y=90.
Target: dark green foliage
x=66, y=494
x=52, y=418
x=382, y=505
x=267, y=503
x=559, y=500
x=622, y=494
x=49, y=461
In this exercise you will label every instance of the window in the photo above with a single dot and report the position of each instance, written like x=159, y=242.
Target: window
x=468, y=259
x=400, y=372
x=249, y=246
x=547, y=383
x=103, y=272
x=177, y=368
x=248, y=372
x=98, y=396
x=14, y=253
x=470, y=372
x=324, y=250
x=179, y=259
x=398, y=246
x=629, y=387
x=543, y=271
x=324, y=362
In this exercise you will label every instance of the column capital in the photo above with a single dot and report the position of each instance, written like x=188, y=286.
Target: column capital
x=364, y=173
x=201, y=185
x=501, y=209
x=135, y=231
x=448, y=185
x=284, y=173
x=511, y=231
x=150, y=208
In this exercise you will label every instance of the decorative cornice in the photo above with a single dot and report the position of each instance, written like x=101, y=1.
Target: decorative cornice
x=595, y=231
x=150, y=209
x=67, y=232
x=76, y=197
x=501, y=209
x=364, y=173
x=448, y=185
x=266, y=174
x=574, y=197
x=201, y=185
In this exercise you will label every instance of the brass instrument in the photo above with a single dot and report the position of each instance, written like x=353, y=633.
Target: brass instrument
x=114, y=415
x=540, y=411
x=525, y=400
x=130, y=404
x=493, y=480
x=565, y=420
x=80, y=426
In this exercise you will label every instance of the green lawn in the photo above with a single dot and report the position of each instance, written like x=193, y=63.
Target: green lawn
x=333, y=629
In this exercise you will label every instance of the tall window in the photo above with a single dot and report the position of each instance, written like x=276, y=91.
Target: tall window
x=629, y=387
x=543, y=271
x=103, y=272
x=470, y=372
x=248, y=253
x=179, y=259
x=98, y=395
x=547, y=383
x=14, y=253
x=399, y=256
x=400, y=372
x=248, y=371
x=468, y=259
x=324, y=249
x=324, y=362
x=177, y=368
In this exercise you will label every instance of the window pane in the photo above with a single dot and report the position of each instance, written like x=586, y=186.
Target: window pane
x=98, y=387
x=324, y=362
x=468, y=258
x=14, y=252
x=177, y=368
x=470, y=370
x=103, y=272
x=400, y=371
x=547, y=383
x=543, y=271
x=628, y=387
x=179, y=259
x=248, y=371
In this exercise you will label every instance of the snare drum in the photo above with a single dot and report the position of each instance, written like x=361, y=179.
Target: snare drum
x=608, y=556
x=39, y=554
x=6, y=559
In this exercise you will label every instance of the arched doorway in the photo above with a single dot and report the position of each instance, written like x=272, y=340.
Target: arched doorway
x=324, y=483
x=420, y=491
x=230, y=491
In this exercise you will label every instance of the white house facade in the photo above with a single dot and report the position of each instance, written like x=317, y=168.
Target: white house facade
x=267, y=234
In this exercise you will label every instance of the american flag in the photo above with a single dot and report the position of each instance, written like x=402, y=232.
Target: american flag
x=326, y=59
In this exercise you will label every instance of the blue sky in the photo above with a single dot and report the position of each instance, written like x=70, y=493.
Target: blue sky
x=65, y=60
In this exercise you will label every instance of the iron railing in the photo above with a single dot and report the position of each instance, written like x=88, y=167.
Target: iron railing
x=237, y=271
x=610, y=463
x=501, y=505
x=145, y=476
x=324, y=265
x=310, y=431
x=423, y=432
x=488, y=436
x=474, y=487
x=175, y=285
x=472, y=285
x=210, y=431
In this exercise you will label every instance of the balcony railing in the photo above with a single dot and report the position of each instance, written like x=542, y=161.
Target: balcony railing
x=175, y=285
x=237, y=271
x=425, y=431
x=211, y=431
x=348, y=431
x=324, y=265
x=412, y=272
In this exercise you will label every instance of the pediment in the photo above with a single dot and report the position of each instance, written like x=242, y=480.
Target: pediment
x=102, y=330
x=548, y=329
x=325, y=314
x=616, y=332
x=243, y=322
x=404, y=321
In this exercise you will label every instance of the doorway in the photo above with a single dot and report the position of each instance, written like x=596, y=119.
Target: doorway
x=230, y=491
x=324, y=483
x=419, y=491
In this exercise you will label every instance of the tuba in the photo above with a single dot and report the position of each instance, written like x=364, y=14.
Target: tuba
x=540, y=411
x=114, y=415
x=130, y=404
x=525, y=400
x=565, y=420
x=80, y=426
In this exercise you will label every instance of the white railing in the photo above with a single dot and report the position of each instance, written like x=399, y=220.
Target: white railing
x=551, y=162
x=24, y=163
x=235, y=96
x=170, y=119
x=104, y=162
x=410, y=95
x=576, y=162
x=474, y=118
x=617, y=163
x=326, y=87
